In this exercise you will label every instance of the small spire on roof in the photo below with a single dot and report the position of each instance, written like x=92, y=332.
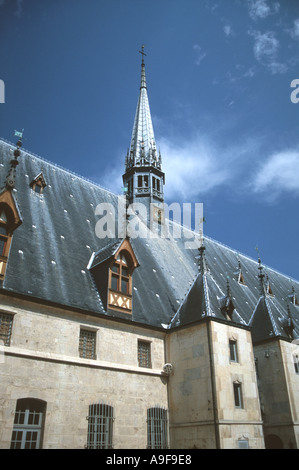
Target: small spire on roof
x=261, y=277
x=10, y=178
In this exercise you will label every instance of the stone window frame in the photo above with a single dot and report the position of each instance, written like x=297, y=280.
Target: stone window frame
x=144, y=353
x=86, y=349
x=233, y=358
x=238, y=394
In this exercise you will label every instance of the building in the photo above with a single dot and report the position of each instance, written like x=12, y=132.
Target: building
x=134, y=341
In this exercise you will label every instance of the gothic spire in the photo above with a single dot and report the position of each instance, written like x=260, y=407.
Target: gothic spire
x=143, y=151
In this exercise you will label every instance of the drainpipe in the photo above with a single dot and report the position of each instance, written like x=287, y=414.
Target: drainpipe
x=213, y=384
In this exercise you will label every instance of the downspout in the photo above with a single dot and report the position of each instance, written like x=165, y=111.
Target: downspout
x=213, y=384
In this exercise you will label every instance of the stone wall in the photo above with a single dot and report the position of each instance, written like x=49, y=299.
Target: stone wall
x=43, y=362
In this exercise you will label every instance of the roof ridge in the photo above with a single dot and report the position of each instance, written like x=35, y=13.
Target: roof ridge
x=60, y=167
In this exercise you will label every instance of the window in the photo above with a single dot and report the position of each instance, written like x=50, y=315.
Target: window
x=28, y=424
x=4, y=238
x=144, y=354
x=3, y=242
x=120, y=276
x=157, y=428
x=143, y=181
x=243, y=444
x=38, y=184
x=100, y=426
x=238, y=395
x=233, y=354
x=87, y=344
x=156, y=184
x=296, y=364
x=5, y=328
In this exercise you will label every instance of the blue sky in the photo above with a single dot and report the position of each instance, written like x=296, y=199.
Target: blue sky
x=219, y=76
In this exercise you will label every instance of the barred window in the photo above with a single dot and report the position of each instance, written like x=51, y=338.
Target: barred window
x=157, y=428
x=5, y=328
x=100, y=426
x=144, y=354
x=87, y=344
x=28, y=424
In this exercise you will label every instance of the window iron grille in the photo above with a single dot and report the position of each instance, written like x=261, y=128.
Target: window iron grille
x=144, y=354
x=100, y=426
x=87, y=344
x=157, y=428
x=5, y=328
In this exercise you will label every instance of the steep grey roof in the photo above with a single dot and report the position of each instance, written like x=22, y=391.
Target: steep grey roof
x=53, y=248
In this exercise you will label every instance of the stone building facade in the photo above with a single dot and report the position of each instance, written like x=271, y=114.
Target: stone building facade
x=134, y=342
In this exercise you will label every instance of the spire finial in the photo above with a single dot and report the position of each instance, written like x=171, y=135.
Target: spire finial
x=143, y=79
x=143, y=54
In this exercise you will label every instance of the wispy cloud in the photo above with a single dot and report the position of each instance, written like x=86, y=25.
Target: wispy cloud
x=279, y=174
x=191, y=168
x=294, y=31
x=265, y=48
x=19, y=9
x=203, y=164
x=228, y=30
x=260, y=9
x=200, y=54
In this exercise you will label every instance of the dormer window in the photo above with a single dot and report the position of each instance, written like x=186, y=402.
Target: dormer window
x=241, y=279
x=38, y=184
x=120, y=282
x=120, y=274
x=112, y=270
x=5, y=237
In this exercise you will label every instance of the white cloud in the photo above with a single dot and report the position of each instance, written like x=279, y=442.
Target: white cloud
x=265, y=49
x=294, y=32
x=200, y=165
x=279, y=174
x=260, y=9
x=191, y=168
x=200, y=54
x=228, y=30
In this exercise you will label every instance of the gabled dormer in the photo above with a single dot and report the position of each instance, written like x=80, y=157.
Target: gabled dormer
x=10, y=216
x=38, y=183
x=112, y=270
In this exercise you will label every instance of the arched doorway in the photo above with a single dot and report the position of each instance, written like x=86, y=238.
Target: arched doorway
x=273, y=442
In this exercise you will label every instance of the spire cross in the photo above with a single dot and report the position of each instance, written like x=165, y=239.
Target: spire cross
x=142, y=53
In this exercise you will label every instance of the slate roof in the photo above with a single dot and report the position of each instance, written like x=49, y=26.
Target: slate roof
x=53, y=249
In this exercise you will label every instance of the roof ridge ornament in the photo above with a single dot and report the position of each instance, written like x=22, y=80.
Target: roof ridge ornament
x=10, y=178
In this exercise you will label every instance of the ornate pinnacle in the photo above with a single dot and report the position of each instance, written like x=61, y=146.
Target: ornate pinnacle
x=10, y=178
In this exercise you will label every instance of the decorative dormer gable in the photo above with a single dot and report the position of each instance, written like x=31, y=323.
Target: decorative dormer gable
x=112, y=270
x=10, y=216
x=38, y=183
